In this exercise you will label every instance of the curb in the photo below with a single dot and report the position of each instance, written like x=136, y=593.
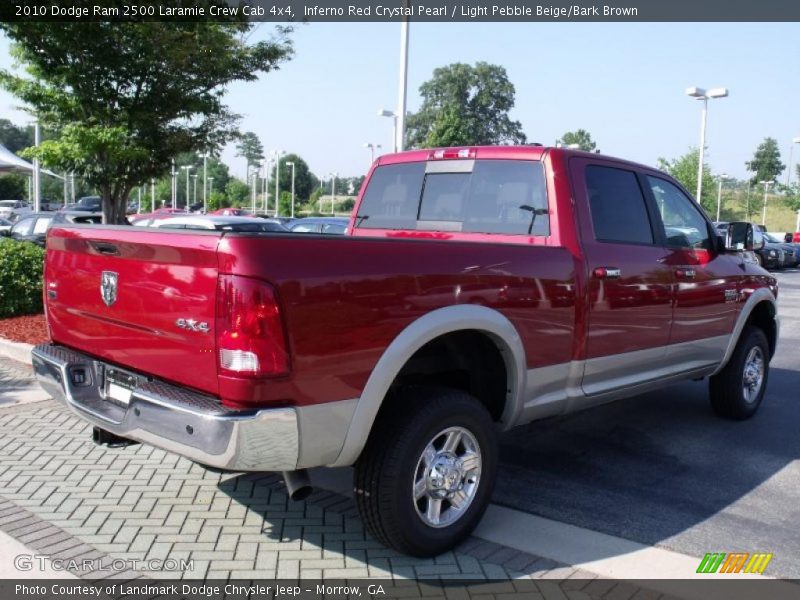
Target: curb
x=16, y=350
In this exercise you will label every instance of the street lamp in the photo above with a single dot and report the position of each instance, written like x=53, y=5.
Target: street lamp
x=719, y=193
x=205, y=182
x=277, y=154
x=174, y=186
x=764, y=213
x=388, y=113
x=701, y=94
x=152, y=194
x=291, y=164
x=333, y=191
x=372, y=147
x=194, y=189
x=210, y=187
x=187, y=168
x=795, y=140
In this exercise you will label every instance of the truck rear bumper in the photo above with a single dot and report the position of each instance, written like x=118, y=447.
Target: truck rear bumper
x=169, y=417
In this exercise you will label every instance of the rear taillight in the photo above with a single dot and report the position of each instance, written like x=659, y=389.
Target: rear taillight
x=250, y=337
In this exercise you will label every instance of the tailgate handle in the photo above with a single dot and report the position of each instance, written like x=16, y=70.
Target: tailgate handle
x=105, y=248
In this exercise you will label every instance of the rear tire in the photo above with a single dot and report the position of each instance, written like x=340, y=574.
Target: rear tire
x=426, y=475
x=737, y=391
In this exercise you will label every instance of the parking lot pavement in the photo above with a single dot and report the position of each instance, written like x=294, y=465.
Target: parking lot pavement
x=65, y=497
x=661, y=469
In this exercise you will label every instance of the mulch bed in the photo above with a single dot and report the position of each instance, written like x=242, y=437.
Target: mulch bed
x=30, y=329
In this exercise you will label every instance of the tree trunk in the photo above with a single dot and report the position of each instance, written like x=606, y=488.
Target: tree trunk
x=114, y=206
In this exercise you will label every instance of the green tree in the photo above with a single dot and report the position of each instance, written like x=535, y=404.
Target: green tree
x=14, y=137
x=766, y=164
x=286, y=204
x=237, y=193
x=125, y=98
x=581, y=137
x=216, y=200
x=251, y=149
x=684, y=169
x=304, y=180
x=465, y=105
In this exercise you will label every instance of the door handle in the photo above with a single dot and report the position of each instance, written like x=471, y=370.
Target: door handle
x=685, y=273
x=607, y=273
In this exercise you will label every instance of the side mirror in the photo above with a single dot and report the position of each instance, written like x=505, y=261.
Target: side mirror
x=739, y=237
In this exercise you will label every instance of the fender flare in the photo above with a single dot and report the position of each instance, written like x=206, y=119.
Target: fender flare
x=421, y=331
x=757, y=297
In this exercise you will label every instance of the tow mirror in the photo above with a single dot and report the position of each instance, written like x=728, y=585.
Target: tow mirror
x=739, y=237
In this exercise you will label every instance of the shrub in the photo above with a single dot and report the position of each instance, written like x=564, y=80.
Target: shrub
x=21, y=266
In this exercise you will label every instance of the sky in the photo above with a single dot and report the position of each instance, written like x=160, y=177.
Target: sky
x=623, y=82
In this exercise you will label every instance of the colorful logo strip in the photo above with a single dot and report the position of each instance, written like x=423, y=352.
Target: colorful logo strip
x=734, y=562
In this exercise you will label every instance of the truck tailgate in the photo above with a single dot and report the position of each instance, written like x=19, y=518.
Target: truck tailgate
x=140, y=298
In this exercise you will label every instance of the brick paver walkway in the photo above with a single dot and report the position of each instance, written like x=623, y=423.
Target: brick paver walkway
x=64, y=496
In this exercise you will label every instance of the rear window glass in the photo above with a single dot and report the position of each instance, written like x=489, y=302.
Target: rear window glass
x=498, y=196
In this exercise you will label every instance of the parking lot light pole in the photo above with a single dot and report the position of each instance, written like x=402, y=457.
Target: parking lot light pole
x=701, y=94
x=187, y=168
x=278, y=154
x=722, y=177
x=795, y=140
x=174, y=186
x=766, y=189
x=372, y=147
x=333, y=192
x=291, y=164
x=210, y=188
x=389, y=113
x=152, y=194
x=194, y=189
x=205, y=182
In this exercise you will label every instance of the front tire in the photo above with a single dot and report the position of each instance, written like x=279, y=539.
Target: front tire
x=737, y=391
x=426, y=475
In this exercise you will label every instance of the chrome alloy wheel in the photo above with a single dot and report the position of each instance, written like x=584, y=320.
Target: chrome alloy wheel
x=447, y=477
x=753, y=374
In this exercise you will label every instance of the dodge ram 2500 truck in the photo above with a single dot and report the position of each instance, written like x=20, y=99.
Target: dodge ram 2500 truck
x=477, y=289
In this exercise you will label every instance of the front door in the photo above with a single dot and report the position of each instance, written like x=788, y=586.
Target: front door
x=706, y=297
x=629, y=285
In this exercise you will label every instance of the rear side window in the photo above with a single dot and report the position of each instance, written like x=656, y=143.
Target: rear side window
x=619, y=212
x=497, y=196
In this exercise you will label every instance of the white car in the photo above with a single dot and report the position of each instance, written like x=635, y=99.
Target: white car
x=13, y=209
x=220, y=223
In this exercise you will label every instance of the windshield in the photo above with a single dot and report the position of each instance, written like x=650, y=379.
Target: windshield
x=10, y=203
x=771, y=238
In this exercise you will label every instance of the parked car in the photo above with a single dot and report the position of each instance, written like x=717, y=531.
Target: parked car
x=5, y=225
x=240, y=224
x=31, y=227
x=88, y=203
x=791, y=252
x=13, y=209
x=77, y=216
x=231, y=212
x=286, y=352
x=331, y=225
x=765, y=253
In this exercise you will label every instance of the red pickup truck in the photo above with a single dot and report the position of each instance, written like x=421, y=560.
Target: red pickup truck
x=477, y=289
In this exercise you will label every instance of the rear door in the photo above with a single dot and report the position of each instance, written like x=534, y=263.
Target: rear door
x=630, y=286
x=127, y=294
x=706, y=296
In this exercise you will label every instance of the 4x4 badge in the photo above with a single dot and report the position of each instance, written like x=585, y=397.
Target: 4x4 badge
x=108, y=287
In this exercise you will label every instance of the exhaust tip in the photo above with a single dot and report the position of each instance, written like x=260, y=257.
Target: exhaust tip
x=101, y=437
x=298, y=485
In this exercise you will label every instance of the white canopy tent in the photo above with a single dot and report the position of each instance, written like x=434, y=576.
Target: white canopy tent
x=11, y=163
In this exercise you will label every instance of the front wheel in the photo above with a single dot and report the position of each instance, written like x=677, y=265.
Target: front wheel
x=426, y=475
x=737, y=391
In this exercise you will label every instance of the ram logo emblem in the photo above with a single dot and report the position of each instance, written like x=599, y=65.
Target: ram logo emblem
x=108, y=287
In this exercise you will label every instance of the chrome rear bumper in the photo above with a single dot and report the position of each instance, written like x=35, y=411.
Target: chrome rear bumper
x=170, y=417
